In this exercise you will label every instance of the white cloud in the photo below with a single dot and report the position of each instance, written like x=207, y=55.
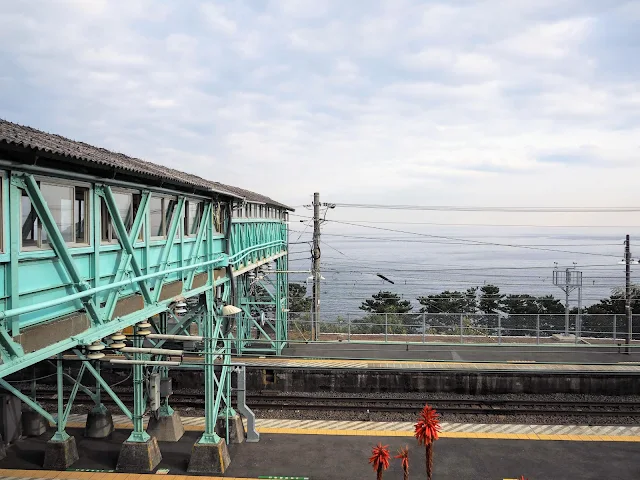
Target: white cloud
x=449, y=102
x=217, y=18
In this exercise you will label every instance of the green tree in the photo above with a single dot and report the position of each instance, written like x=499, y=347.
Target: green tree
x=490, y=299
x=521, y=304
x=386, y=302
x=550, y=305
x=450, y=302
x=298, y=300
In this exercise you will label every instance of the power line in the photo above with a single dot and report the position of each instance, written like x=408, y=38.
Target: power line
x=453, y=208
x=465, y=242
x=476, y=242
x=481, y=224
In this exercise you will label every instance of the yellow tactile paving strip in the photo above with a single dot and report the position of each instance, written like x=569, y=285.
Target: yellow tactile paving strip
x=509, y=366
x=498, y=431
x=424, y=365
x=40, y=474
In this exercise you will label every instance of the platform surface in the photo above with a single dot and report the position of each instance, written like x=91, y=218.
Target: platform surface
x=338, y=457
x=503, y=431
x=549, y=353
x=557, y=358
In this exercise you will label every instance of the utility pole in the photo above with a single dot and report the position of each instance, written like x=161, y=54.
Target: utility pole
x=627, y=292
x=316, y=266
x=568, y=280
x=566, y=303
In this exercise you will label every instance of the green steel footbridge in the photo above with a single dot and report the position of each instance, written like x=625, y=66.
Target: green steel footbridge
x=107, y=258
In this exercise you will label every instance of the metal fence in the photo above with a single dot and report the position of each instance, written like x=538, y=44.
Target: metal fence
x=463, y=327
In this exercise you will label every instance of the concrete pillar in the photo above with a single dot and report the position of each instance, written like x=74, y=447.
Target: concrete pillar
x=60, y=455
x=99, y=423
x=166, y=428
x=139, y=457
x=236, y=428
x=33, y=424
x=209, y=457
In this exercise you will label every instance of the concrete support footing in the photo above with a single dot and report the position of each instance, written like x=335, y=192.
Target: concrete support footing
x=209, y=458
x=166, y=428
x=139, y=457
x=59, y=455
x=236, y=428
x=33, y=424
x=99, y=423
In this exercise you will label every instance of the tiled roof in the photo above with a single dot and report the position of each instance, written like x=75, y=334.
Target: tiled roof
x=47, y=143
x=252, y=196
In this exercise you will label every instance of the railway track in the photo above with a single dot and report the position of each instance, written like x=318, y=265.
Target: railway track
x=267, y=401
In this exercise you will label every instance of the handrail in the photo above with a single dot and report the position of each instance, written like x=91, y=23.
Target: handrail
x=247, y=251
x=92, y=291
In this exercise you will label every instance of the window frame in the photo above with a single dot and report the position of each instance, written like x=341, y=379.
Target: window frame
x=106, y=221
x=59, y=182
x=2, y=207
x=163, y=212
x=187, y=227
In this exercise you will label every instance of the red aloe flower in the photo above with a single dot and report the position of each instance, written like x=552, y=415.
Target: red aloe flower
x=426, y=431
x=380, y=459
x=403, y=454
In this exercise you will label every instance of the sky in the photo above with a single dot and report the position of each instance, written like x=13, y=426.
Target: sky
x=518, y=103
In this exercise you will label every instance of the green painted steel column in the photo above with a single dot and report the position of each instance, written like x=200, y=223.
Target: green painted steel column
x=138, y=434
x=229, y=411
x=15, y=231
x=210, y=414
x=98, y=395
x=278, y=299
x=165, y=409
x=60, y=435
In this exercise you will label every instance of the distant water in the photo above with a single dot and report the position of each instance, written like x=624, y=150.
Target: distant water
x=422, y=266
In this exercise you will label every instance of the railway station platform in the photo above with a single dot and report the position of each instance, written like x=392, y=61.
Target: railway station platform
x=323, y=450
x=549, y=354
x=463, y=369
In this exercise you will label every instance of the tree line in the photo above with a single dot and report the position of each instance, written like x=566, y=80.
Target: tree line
x=483, y=305
x=488, y=300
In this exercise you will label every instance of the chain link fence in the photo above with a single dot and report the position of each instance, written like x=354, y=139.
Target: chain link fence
x=463, y=328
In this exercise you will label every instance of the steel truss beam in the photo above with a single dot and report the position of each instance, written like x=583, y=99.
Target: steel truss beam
x=126, y=240
x=28, y=183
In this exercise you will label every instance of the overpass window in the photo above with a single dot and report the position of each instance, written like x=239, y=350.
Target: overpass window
x=80, y=215
x=156, y=218
x=219, y=217
x=137, y=198
x=68, y=207
x=60, y=200
x=193, y=217
x=31, y=226
x=124, y=204
x=161, y=210
x=170, y=205
x=127, y=204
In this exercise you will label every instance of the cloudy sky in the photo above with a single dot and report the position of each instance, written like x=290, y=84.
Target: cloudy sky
x=407, y=102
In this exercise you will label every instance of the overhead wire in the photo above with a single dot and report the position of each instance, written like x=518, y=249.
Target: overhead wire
x=475, y=208
x=476, y=242
x=465, y=242
x=519, y=225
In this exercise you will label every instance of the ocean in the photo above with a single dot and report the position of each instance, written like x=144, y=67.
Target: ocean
x=519, y=262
